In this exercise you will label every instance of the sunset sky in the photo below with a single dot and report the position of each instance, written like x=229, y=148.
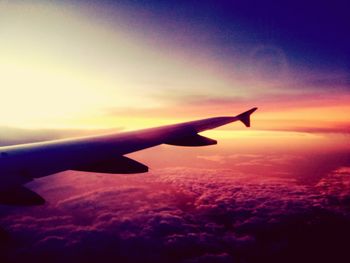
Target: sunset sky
x=100, y=64
x=70, y=68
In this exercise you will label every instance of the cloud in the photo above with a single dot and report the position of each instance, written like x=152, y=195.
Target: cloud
x=182, y=215
x=305, y=168
x=341, y=129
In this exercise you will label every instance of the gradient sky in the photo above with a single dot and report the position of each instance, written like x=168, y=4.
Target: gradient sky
x=278, y=191
x=130, y=64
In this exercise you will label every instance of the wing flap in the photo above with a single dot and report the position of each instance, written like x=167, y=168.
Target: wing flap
x=118, y=165
x=20, y=196
x=192, y=140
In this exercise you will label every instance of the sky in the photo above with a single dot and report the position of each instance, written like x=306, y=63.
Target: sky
x=70, y=68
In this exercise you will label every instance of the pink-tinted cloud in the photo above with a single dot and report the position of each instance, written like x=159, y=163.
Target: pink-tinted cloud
x=182, y=215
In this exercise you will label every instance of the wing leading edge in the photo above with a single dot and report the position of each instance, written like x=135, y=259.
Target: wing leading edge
x=102, y=154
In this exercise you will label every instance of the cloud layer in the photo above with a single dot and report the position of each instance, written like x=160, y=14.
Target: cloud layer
x=181, y=215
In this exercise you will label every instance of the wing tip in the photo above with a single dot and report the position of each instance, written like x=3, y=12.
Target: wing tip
x=245, y=116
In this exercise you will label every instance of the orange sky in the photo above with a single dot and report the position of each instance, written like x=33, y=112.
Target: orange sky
x=75, y=69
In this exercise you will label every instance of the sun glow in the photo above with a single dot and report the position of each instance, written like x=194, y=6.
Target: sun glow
x=63, y=66
x=66, y=66
x=60, y=66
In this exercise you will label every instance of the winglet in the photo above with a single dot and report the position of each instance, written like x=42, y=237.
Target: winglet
x=245, y=116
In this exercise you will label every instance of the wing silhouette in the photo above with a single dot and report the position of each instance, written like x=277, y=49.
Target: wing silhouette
x=20, y=164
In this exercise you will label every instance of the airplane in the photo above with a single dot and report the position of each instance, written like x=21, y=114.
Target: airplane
x=20, y=164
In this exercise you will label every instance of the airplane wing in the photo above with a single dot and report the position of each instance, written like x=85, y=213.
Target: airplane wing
x=20, y=164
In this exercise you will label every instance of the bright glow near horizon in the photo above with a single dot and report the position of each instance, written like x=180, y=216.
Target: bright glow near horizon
x=59, y=66
x=67, y=66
